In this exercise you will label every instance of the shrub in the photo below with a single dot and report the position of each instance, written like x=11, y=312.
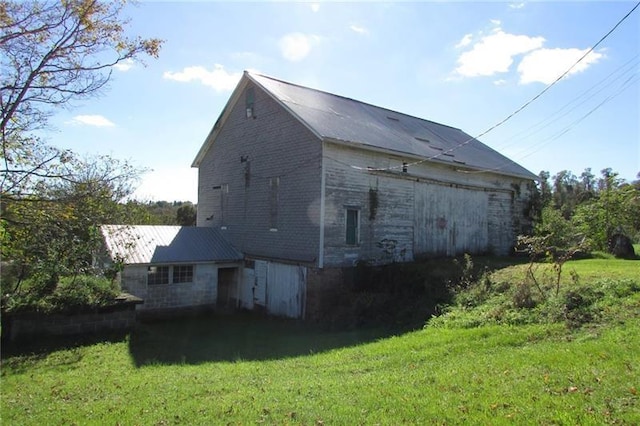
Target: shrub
x=521, y=302
x=69, y=295
x=523, y=297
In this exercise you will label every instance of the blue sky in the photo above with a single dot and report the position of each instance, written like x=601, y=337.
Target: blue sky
x=468, y=65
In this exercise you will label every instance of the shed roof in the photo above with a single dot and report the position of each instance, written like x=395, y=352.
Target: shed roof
x=341, y=119
x=147, y=244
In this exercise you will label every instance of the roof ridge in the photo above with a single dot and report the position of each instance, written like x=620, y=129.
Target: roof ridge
x=348, y=99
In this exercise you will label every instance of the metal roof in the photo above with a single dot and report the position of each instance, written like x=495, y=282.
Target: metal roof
x=345, y=120
x=147, y=244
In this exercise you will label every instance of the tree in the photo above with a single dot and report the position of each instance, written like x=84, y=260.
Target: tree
x=587, y=185
x=613, y=210
x=558, y=231
x=56, y=232
x=545, y=188
x=186, y=215
x=565, y=197
x=52, y=53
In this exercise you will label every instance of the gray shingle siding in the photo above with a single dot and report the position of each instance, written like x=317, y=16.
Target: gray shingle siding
x=274, y=144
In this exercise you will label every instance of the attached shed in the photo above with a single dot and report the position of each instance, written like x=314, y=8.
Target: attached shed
x=175, y=266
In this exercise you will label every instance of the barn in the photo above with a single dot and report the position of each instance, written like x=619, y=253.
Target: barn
x=306, y=183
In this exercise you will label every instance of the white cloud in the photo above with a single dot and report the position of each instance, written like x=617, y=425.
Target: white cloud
x=494, y=53
x=125, y=65
x=218, y=78
x=546, y=65
x=297, y=46
x=92, y=120
x=358, y=29
x=516, y=5
x=183, y=185
x=315, y=7
x=500, y=82
x=496, y=22
x=465, y=41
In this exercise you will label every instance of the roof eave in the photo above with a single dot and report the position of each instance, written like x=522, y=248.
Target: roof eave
x=474, y=169
x=222, y=118
x=285, y=106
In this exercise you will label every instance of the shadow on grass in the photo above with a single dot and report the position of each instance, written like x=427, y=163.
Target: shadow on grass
x=25, y=354
x=242, y=336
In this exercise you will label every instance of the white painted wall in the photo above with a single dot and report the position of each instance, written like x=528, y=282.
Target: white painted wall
x=202, y=291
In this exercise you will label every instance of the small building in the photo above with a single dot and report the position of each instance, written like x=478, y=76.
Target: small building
x=306, y=183
x=175, y=266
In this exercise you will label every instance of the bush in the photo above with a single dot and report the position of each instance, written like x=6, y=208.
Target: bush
x=519, y=303
x=71, y=294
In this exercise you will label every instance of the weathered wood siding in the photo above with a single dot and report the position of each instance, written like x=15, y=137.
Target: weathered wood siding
x=449, y=220
x=430, y=210
x=286, y=289
x=278, y=288
x=500, y=216
x=260, y=182
x=386, y=218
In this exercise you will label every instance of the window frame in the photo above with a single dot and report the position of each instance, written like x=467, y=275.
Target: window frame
x=352, y=233
x=156, y=273
x=170, y=274
x=182, y=277
x=250, y=101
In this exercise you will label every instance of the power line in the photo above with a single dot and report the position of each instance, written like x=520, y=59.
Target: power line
x=629, y=82
x=517, y=111
x=609, y=80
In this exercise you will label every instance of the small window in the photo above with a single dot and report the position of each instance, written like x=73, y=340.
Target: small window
x=353, y=225
x=158, y=275
x=224, y=204
x=274, y=186
x=250, y=101
x=183, y=274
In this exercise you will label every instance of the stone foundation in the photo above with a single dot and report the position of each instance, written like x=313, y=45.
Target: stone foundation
x=119, y=316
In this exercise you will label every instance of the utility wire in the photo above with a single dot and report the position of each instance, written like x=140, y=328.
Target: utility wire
x=625, y=85
x=631, y=66
x=517, y=111
x=629, y=82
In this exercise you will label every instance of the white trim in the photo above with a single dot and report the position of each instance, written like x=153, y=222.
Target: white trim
x=226, y=111
x=322, y=207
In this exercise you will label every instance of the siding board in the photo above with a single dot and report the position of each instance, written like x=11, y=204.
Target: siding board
x=248, y=155
x=431, y=210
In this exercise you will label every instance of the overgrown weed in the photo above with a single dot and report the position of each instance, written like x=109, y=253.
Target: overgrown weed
x=512, y=297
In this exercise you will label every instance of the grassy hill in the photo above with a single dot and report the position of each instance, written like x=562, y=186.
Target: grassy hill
x=570, y=358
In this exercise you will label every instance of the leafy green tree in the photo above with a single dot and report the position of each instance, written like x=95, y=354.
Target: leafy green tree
x=545, y=188
x=586, y=186
x=186, y=215
x=614, y=210
x=558, y=231
x=55, y=232
x=565, y=193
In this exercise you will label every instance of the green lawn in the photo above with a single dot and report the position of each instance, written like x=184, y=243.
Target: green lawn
x=248, y=370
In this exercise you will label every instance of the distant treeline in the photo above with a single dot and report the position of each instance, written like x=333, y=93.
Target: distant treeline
x=181, y=213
